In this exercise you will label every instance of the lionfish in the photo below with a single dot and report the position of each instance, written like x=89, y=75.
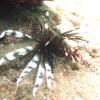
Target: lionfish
x=51, y=42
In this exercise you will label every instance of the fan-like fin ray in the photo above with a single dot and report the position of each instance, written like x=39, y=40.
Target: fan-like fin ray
x=39, y=78
x=31, y=65
x=70, y=53
x=49, y=75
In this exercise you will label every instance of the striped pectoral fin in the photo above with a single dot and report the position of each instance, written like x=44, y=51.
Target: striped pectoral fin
x=2, y=60
x=39, y=78
x=4, y=33
x=16, y=34
x=15, y=54
x=31, y=65
x=49, y=75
